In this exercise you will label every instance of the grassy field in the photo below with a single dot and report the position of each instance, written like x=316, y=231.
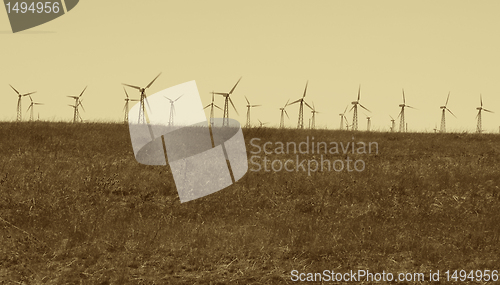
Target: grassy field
x=76, y=208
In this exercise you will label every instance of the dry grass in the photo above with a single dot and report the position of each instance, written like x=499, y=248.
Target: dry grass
x=76, y=208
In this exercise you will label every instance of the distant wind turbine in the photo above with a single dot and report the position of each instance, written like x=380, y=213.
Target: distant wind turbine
x=402, y=114
x=313, y=117
x=225, y=118
x=283, y=111
x=31, y=107
x=248, y=111
x=212, y=105
x=172, y=109
x=126, y=108
x=355, y=108
x=300, y=124
x=478, y=116
x=19, y=110
x=393, y=124
x=443, y=116
x=142, y=109
x=342, y=117
x=78, y=103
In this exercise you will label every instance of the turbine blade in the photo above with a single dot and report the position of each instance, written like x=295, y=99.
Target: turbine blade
x=286, y=103
x=233, y=106
x=225, y=94
x=295, y=102
x=15, y=90
x=178, y=97
x=136, y=87
x=218, y=107
x=207, y=106
x=125, y=92
x=359, y=91
x=488, y=111
x=447, y=99
x=83, y=91
x=364, y=108
x=345, y=109
x=481, y=96
x=27, y=94
x=308, y=105
x=152, y=81
x=212, y=96
x=451, y=112
x=286, y=114
x=305, y=90
x=231, y=92
x=404, y=99
x=247, y=100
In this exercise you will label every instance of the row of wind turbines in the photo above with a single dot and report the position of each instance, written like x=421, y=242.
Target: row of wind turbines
x=76, y=106
x=403, y=126
x=227, y=100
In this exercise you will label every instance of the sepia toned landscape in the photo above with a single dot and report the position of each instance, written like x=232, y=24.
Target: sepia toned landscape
x=76, y=208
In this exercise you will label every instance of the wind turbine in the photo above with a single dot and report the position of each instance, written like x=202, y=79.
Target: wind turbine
x=368, y=123
x=402, y=114
x=248, y=111
x=282, y=120
x=212, y=105
x=126, y=105
x=313, y=117
x=31, y=107
x=478, y=116
x=78, y=103
x=342, y=117
x=443, y=118
x=435, y=128
x=393, y=124
x=355, y=108
x=19, y=110
x=225, y=117
x=262, y=124
x=142, y=109
x=300, y=124
x=172, y=110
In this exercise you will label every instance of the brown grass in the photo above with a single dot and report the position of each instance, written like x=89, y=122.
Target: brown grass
x=76, y=208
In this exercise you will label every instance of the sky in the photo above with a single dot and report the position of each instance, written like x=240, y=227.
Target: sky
x=429, y=48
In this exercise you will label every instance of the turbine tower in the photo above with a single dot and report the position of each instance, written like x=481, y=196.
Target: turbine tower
x=225, y=118
x=78, y=103
x=443, y=116
x=31, y=107
x=355, y=108
x=478, y=116
x=19, y=110
x=393, y=124
x=402, y=114
x=282, y=120
x=212, y=105
x=126, y=108
x=313, y=117
x=368, y=123
x=248, y=112
x=142, y=109
x=300, y=124
x=342, y=117
x=172, y=109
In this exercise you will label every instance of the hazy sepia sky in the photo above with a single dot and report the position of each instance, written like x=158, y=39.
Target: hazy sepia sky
x=429, y=48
